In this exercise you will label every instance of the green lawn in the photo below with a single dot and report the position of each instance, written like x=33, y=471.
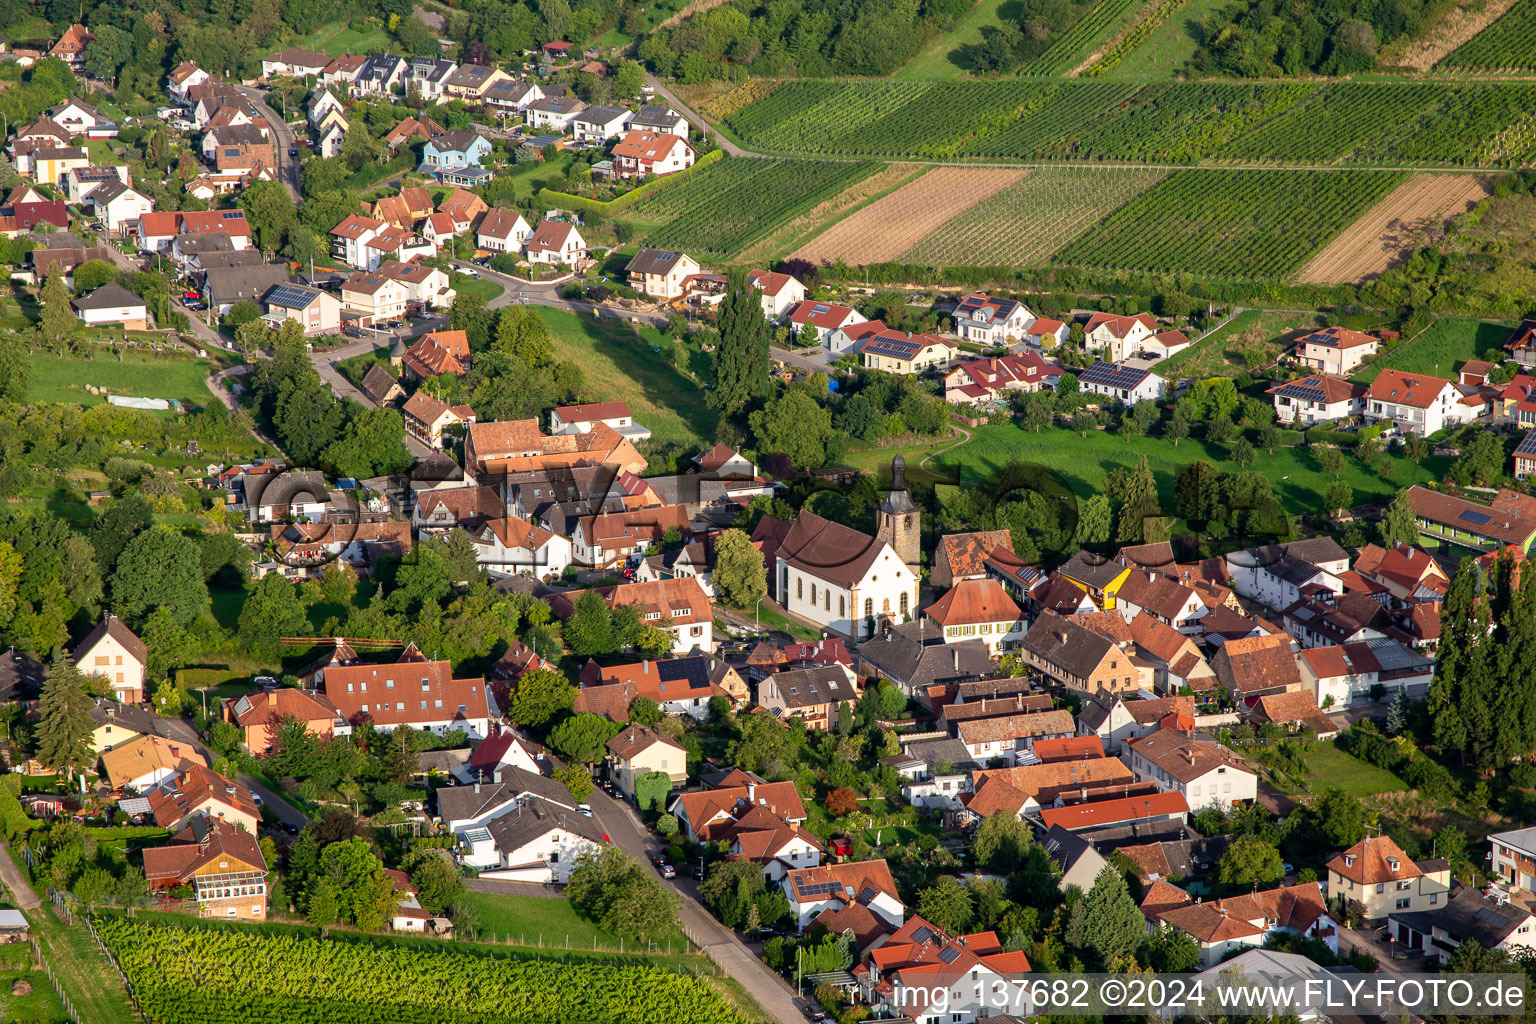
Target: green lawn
x=943, y=58
x=40, y=1007
x=1332, y=767
x=772, y=619
x=337, y=39
x=89, y=979
x=62, y=378
x=1441, y=348
x=1083, y=464
x=546, y=921
x=1250, y=339
x=621, y=362
x=474, y=286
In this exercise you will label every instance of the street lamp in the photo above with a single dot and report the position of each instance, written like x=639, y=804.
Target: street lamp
x=757, y=613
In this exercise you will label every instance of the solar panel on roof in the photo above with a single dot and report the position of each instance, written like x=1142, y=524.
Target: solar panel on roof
x=949, y=954
x=1478, y=518
x=921, y=936
x=234, y=215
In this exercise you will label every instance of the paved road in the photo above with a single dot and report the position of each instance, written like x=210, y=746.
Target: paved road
x=693, y=118
x=722, y=945
x=283, y=139
x=21, y=892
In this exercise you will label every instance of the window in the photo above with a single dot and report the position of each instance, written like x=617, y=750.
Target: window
x=800, y=586
x=903, y=602
x=1381, y=887
x=1434, y=898
x=813, y=595
x=828, y=603
x=842, y=606
x=1402, y=904
x=869, y=607
x=1403, y=886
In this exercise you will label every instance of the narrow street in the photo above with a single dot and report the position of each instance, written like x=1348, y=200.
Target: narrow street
x=11, y=875
x=693, y=118
x=283, y=138
x=722, y=945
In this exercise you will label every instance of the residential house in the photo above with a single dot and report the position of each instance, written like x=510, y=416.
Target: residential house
x=680, y=686
x=1029, y=788
x=1258, y=665
x=824, y=317
x=323, y=102
x=143, y=763
x=1377, y=874
x=510, y=546
x=318, y=312
x=370, y=298
x=811, y=694
x=649, y=154
x=660, y=273
x=979, y=608
x=1512, y=859
x=1295, y=711
x=840, y=578
x=1336, y=350
x=581, y=419
x=556, y=112
x=471, y=81
x=413, y=691
x=927, y=976
x=1203, y=771
x=428, y=78
x=464, y=808
x=426, y=288
x=1222, y=927
x=1277, y=578
x=1491, y=921
x=1319, y=398
x=712, y=814
x=261, y=715
x=427, y=417
x=1145, y=591
x=119, y=207
x=1140, y=810
x=1509, y=520
x=409, y=128
x=436, y=353
x=600, y=123
x=1416, y=403
x=115, y=653
x=992, y=378
x=639, y=751
x=535, y=840
x=112, y=304
x=455, y=149
x=1345, y=674
x=51, y=164
x=496, y=755
x=1011, y=738
x=225, y=286
x=986, y=320
x=1164, y=345
x=78, y=184
x=556, y=242
x=511, y=97
x=1122, y=382
x=351, y=238
x=272, y=496
x=935, y=773
x=70, y=47
x=183, y=77
x=502, y=231
x=899, y=352
x=1046, y=333
x=962, y=556
x=200, y=793
x=780, y=292
x=514, y=446
x=680, y=607
x=662, y=120
x=382, y=387
x=380, y=75
x=469, y=508
x=115, y=723
x=1408, y=573
x=295, y=62
x=1077, y=657
x=609, y=539
x=836, y=886
x=901, y=655
x=1116, y=721
x=1117, y=338
x=223, y=865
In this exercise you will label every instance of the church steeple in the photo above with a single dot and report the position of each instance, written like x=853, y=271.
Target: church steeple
x=898, y=521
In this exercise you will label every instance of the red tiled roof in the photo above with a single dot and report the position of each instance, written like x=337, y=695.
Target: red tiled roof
x=1414, y=389
x=1115, y=811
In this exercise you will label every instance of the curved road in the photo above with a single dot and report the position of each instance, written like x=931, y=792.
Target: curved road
x=284, y=140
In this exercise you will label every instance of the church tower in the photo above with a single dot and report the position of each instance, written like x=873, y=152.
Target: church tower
x=898, y=521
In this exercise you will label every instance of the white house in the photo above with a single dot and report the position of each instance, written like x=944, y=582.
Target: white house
x=115, y=305
x=295, y=62
x=979, y=609
x=503, y=231
x=555, y=112
x=416, y=692
x=840, y=578
x=517, y=547
x=836, y=886
x=428, y=78
x=1316, y=399
x=1117, y=338
x=115, y=653
x=1275, y=577
x=83, y=119
x=600, y=123
x=119, y=206
x=350, y=239
x=935, y=773
x=660, y=119
x=986, y=320
x=641, y=153
x=678, y=606
x=825, y=316
x=1206, y=773
x=1336, y=350
x=581, y=419
x=321, y=103
x=660, y=273
x=556, y=242
x=1418, y=404
x=535, y=842
x=780, y=292
x=1011, y=736
x=1343, y=674
x=1126, y=384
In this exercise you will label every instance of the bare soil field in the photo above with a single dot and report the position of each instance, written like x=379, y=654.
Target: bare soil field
x=1460, y=23
x=787, y=235
x=891, y=225
x=1406, y=218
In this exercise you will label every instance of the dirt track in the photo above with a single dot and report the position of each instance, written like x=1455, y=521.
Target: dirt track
x=891, y=225
x=1388, y=232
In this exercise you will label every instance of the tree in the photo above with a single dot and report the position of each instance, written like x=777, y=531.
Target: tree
x=92, y=274
x=1002, y=843
x=651, y=790
x=365, y=894
x=1337, y=496
x=128, y=517
x=794, y=425
x=1106, y=927
x=842, y=801
x=64, y=724
x=539, y=696
x=740, y=577
x=589, y=630
x=1247, y=862
x=1219, y=430
x=438, y=885
x=1095, y=520
x=1195, y=491
x=741, y=362
x=608, y=887
x=1178, y=428
x=730, y=891
x=583, y=737
x=1269, y=438
x=1136, y=491
x=107, y=51
x=1174, y=951
x=1331, y=461
x=159, y=569
x=947, y=904
x=1398, y=525
x=1397, y=712
x=1243, y=453
x=1416, y=448
x=1037, y=410
x=646, y=712
x=58, y=320
x=272, y=611
x=522, y=332
x=576, y=779
x=628, y=79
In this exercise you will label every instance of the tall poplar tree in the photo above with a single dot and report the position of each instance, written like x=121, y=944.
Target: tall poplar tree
x=741, y=361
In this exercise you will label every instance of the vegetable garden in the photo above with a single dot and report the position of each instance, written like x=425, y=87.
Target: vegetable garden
x=1463, y=124
x=200, y=975
x=1509, y=44
x=1257, y=224
x=724, y=207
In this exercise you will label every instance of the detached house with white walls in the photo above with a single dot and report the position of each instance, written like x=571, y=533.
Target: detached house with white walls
x=780, y=292
x=1204, y=771
x=985, y=320
x=1117, y=338
x=865, y=883
x=1418, y=404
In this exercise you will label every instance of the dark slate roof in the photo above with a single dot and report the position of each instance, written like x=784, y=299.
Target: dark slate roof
x=537, y=817
x=1067, y=645
x=917, y=665
x=1092, y=570
x=820, y=684
x=460, y=803
x=109, y=296
x=652, y=261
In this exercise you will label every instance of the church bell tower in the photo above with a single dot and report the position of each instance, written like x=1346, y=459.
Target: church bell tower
x=898, y=521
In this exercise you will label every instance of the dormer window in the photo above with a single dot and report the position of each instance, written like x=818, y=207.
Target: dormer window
x=1393, y=863
x=1349, y=860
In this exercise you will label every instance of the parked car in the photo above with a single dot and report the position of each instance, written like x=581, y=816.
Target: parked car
x=585, y=810
x=667, y=870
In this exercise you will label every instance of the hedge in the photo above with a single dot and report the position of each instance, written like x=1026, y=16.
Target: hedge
x=566, y=201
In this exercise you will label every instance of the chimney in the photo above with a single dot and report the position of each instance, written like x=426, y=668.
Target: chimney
x=645, y=667
x=751, y=791
x=955, y=654
x=477, y=786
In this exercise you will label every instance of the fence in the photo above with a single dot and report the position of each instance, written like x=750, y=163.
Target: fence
x=58, y=989
x=133, y=997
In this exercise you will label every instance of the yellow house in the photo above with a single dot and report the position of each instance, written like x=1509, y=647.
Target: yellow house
x=638, y=750
x=332, y=116
x=116, y=724
x=471, y=81
x=49, y=165
x=1376, y=873
x=899, y=352
x=1101, y=578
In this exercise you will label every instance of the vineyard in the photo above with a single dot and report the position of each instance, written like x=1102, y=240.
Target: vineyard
x=1253, y=225
x=1509, y=44
x=723, y=208
x=1066, y=52
x=193, y=975
x=1461, y=124
x=1028, y=221
x=1139, y=34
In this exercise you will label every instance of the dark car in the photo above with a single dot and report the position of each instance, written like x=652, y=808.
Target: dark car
x=352, y=332
x=290, y=828
x=293, y=152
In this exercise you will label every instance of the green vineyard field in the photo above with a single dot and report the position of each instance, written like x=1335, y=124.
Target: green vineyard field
x=199, y=975
x=1509, y=44
x=1258, y=224
x=1071, y=48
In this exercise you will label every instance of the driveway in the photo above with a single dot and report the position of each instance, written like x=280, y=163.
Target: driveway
x=721, y=944
x=1366, y=940
x=11, y=875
